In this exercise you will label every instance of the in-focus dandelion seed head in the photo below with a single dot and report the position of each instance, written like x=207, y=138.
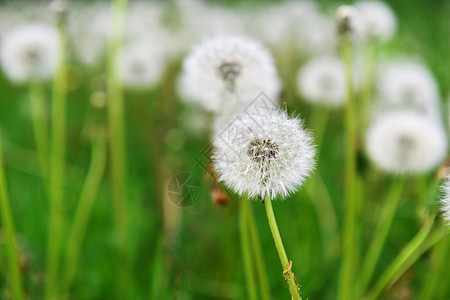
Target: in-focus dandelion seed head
x=266, y=154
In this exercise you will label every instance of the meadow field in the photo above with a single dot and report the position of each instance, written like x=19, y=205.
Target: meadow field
x=190, y=149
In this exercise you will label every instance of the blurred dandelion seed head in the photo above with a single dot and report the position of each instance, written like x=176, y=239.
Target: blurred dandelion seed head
x=321, y=80
x=30, y=52
x=227, y=73
x=406, y=142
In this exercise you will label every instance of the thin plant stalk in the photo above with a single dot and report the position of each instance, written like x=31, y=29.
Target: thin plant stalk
x=84, y=209
x=349, y=236
x=257, y=254
x=412, y=251
x=294, y=289
x=383, y=226
x=8, y=226
x=116, y=126
x=438, y=270
x=245, y=246
x=57, y=172
x=40, y=125
x=323, y=205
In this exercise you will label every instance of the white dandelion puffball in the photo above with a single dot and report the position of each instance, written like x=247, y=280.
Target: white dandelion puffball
x=408, y=84
x=445, y=200
x=264, y=154
x=30, y=52
x=376, y=20
x=229, y=72
x=406, y=142
x=322, y=80
x=141, y=64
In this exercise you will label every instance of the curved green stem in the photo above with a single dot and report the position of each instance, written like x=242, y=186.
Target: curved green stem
x=259, y=261
x=294, y=289
x=349, y=236
x=8, y=226
x=412, y=251
x=57, y=173
x=245, y=246
x=117, y=145
x=40, y=125
x=84, y=209
x=384, y=224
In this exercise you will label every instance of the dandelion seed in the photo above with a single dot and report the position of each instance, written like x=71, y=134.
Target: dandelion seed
x=322, y=80
x=377, y=21
x=227, y=73
x=30, y=52
x=264, y=154
x=406, y=142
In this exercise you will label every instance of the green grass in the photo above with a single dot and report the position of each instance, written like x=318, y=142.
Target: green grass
x=195, y=253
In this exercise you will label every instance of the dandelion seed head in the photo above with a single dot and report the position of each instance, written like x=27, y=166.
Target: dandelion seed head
x=141, y=64
x=322, y=80
x=228, y=72
x=376, y=20
x=408, y=84
x=30, y=52
x=264, y=154
x=406, y=142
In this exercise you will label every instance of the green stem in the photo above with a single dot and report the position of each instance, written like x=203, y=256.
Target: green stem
x=8, y=226
x=412, y=251
x=294, y=289
x=117, y=145
x=40, y=125
x=246, y=253
x=256, y=246
x=84, y=209
x=438, y=271
x=349, y=236
x=384, y=224
x=57, y=176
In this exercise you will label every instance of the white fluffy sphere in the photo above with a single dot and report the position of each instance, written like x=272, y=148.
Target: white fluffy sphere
x=408, y=84
x=30, y=52
x=264, y=154
x=228, y=73
x=376, y=20
x=406, y=142
x=322, y=80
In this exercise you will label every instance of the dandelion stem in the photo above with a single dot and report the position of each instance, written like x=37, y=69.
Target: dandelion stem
x=259, y=261
x=349, y=243
x=117, y=144
x=8, y=226
x=84, y=209
x=56, y=182
x=438, y=271
x=384, y=224
x=285, y=262
x=412, y=251
x=245, y=246
x=40, y=125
